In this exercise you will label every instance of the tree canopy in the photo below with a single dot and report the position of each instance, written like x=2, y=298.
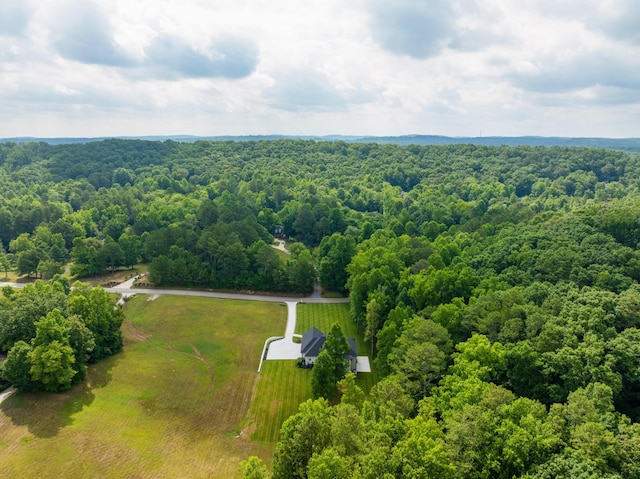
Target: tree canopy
x=497, y=287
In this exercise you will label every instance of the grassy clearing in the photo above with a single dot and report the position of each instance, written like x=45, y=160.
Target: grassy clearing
x=322, y=316
x=10, y=277
x=118, y=276
x=172, y=404
x=280, y=389
x=332, y=294
x=284, y=257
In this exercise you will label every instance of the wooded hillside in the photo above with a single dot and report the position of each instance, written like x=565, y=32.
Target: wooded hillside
x=497, y=286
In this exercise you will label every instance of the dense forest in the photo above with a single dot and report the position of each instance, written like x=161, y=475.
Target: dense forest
x=498, y=287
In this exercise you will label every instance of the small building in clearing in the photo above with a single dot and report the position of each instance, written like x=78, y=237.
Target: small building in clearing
x=312, y=343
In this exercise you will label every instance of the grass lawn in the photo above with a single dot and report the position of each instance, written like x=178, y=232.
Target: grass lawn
x=322, y=316
x=173, y=404
x=280, y=389
x=10, y=277
x=284, y=257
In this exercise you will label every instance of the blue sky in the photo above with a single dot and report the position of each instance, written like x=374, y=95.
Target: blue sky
x=352, y=67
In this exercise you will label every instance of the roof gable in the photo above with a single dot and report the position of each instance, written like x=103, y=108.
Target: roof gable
x=313, y=341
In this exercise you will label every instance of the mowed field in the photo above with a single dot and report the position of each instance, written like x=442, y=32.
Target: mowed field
x=173, y=404
x=282, y=386
x=322, y=316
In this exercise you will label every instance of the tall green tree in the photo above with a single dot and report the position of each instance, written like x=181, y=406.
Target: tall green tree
x=98, y=314
x=17, y=367
x=302, y=435
x=5, y=263
x=331, y=364
x=52, y=359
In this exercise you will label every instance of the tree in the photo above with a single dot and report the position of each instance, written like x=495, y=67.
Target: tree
x=110, y=254
x=350, y=392
x=337, y=346
x=323, y=383
x=52, y=365
x=328, y=465
x=303, y=226
x=83, y=343
x=26, y=307
x=347, y=431
x=28, y=262
x=84, y=255
x=423, y=451
x=131, y=247
x=386, y=337
x=49, y=268
x=302, y=273
x=52, y=358
x=376, y=308
x=122, y=176
x=253, y=468
x=420, y=354
x=5, y=263
x=302, y=435
x=17, y=367
x=21, y=244
x=97, y=312
x=335, y=253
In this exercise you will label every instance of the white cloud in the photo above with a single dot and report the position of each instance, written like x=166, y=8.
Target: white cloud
x=14, y=17
x=228, y=57
x=416, y=28
x=81, y=32
x=456, y=67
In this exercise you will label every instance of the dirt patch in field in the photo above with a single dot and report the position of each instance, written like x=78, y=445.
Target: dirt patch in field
x=132, y=334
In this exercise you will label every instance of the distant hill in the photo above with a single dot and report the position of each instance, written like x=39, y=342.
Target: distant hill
x=627, y=144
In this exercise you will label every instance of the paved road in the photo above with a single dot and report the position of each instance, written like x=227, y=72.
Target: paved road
x=211, y=294
x=123, y=289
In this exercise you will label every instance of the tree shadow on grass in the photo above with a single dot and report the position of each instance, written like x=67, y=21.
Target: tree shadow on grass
x=44, y=414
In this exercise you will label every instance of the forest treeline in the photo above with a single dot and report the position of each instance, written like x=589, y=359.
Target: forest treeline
x=497, y=287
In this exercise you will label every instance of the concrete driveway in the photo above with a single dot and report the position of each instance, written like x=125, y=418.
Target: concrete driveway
x=285, y=348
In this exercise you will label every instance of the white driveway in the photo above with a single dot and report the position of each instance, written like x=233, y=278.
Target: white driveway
x=285, y=348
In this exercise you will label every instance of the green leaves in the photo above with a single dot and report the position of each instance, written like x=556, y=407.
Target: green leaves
x=331, y=365
x=52, y=365
x=51, y=337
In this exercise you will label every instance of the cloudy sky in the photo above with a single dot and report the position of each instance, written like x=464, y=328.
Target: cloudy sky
x=352, y=67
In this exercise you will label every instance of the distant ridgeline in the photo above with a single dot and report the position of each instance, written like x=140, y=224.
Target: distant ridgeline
x=627, y=144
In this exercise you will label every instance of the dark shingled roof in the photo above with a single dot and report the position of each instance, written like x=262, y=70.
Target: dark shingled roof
x=352, y=352
x=313, y=340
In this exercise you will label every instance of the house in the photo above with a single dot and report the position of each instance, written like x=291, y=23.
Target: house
x=312, y=343
x=278, y=232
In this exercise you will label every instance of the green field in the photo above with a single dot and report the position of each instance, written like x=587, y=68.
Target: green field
x=182, y=399
x=280, y=389
x=172, y=404
x=322, y=316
